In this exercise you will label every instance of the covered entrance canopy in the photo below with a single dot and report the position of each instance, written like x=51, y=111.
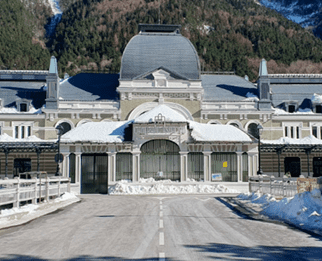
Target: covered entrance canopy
x=296, y=147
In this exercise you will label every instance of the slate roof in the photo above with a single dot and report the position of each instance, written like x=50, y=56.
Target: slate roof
x=148, y=51
x=89, y=87
x=294, y=92
x=226, y=87
x=10, y=91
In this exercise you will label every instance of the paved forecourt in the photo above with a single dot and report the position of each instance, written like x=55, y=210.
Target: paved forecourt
x=159, y=227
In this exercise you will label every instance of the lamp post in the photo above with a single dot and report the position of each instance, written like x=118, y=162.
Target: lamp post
x=59, y=130
x=260, y=130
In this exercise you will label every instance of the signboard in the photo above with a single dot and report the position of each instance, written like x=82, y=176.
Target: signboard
x=306, y=184
x=224, y=164
x=59, y=158
x=216, y=177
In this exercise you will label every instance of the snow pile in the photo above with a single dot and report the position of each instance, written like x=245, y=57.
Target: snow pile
x=251, y=97
x=278, y=111
x=6, y=138
x=28, y=208
x=308, y=140
x=150, y=186
x=217, y=132
x=316, y=98
x=169, y=115
x=97, y=132
x=66, y=196
x=304, y=210
x=32, y=110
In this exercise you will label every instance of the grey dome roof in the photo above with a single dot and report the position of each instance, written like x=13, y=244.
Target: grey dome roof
x=149, y=51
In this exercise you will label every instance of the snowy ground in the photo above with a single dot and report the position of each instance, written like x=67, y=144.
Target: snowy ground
x=304, y=210
x=17, y=216
x=151, y=186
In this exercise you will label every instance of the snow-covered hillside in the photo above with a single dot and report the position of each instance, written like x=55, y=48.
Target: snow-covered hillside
x=303, y=12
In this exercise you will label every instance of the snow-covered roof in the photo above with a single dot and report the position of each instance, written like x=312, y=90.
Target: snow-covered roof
x=162, y=110
x=217, y=132
x=97, y=132
x=309, y=140
x=6, y=138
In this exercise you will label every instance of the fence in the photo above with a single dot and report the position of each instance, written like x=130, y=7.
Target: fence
x=283, y=187
x=14, y=191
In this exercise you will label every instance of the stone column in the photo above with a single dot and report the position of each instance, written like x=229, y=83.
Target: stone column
x=111, y=166
x=207, y=165
x=183, y=165
x=239, y=166
x=65, y=165
x=78, y=166
x=136, y=166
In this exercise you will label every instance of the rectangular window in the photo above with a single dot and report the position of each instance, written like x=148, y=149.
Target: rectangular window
x=22, y=132
x=318, y=108
x=291, y=108
x=286, y=132
x=16, y=132
x=297, y=132
x=23, y=107
x=292, y=132
x=315, y=131
x=29, y=131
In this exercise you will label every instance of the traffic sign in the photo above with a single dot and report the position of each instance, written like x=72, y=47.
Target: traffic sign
x=59, y=158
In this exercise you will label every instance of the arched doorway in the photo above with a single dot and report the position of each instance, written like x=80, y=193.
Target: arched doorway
x=160, y=159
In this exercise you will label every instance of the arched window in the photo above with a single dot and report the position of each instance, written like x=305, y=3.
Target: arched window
x=66, y=127
x=252, y=130
x=234, y=124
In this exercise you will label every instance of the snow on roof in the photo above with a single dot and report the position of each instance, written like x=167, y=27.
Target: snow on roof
x=97, y=132
x=6, y=138
x=316, y=98
x=169, y=115
x=309, y=140
x=217, y=132
x=278, y=111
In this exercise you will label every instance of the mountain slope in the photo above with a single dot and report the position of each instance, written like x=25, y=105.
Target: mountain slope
x=307, y=13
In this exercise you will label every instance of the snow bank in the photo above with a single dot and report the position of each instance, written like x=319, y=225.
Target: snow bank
x=150, y=186
x=316, y=98
x=278, y=111
x=304, y=210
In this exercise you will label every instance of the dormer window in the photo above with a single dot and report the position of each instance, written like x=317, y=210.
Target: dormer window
x=291, y=108
x=318, y=108
x=23, y=107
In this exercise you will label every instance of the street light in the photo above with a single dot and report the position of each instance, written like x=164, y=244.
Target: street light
x=58, y=159
x=260, y=130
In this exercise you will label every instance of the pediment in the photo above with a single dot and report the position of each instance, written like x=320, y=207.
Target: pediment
x=160, y=73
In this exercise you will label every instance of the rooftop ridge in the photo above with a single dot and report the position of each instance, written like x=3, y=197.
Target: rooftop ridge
x=289, y=75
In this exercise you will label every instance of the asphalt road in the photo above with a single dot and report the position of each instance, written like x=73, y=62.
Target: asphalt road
x=189, y=227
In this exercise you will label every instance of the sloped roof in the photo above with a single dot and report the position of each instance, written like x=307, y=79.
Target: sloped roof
x=149, y=51
x=89, y=87
x=294, y=92
x=97, y=132
x=226, y=87
x=10, y=91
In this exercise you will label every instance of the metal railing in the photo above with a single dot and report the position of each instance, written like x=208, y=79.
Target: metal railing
x=283, y=187
x=14, y=191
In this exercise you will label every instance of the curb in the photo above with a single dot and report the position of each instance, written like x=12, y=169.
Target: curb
x=21, y=218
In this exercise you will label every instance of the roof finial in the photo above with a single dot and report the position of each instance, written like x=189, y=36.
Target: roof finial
x=263, y=68
x=53, y=65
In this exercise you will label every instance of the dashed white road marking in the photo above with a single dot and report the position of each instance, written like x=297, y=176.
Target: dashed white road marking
x=161, y=256
x=161, y=239
x=160, y=207
x=161, y=223
x=161, y=214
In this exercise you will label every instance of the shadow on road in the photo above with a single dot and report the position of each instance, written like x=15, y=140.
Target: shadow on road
x=232, y=252
x=79, y=258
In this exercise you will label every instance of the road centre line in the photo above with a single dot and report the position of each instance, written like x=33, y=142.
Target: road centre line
x=161, y=256
x=160, y=207
x=161, y=239
x=161, y=214
x=161, y=223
